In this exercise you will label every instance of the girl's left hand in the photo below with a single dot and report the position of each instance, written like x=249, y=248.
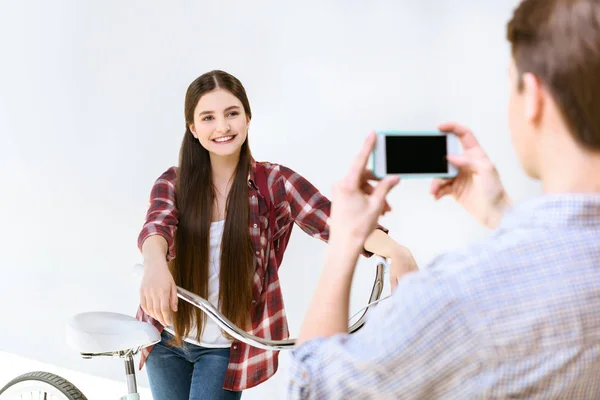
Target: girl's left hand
x=402, y=263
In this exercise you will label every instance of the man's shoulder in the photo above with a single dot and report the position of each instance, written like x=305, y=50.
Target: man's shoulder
x=497, y=249
x=482, y=265
x=511, y=260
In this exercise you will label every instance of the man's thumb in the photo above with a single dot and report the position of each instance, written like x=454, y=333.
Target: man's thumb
x=460, y=161
x=382, y=189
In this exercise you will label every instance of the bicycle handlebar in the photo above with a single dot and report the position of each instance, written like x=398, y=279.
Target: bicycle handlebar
x=268, y=344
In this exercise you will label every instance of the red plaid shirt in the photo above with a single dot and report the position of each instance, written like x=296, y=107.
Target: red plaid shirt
x=296, y=201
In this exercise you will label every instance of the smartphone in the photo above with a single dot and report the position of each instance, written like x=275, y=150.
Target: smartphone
x=414, y=154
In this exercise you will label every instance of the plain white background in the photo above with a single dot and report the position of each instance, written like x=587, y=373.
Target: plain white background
x=91, y=112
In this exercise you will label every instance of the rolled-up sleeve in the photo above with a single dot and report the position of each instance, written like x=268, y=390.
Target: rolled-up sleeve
x=409, y=347
x=162, y=216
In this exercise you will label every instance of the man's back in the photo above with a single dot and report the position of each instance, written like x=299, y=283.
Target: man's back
x=515, y=316
x=531, y=298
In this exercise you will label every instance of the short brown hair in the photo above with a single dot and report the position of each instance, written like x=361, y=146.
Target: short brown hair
x=559, y=42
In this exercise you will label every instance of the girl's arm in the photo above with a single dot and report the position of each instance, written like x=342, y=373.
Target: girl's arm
x=310, y=210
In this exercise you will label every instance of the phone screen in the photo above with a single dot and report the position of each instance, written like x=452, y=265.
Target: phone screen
x=416, y=154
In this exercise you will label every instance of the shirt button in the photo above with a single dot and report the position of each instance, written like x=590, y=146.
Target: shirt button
x=235, y=346
x=255, y=225
x=258, y=252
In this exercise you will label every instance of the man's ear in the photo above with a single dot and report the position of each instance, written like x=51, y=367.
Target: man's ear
x=533, y=98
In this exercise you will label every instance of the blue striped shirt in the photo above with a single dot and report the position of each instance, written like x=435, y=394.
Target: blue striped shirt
x=514, y=316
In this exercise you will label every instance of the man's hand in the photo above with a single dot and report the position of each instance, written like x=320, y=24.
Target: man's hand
x=477, y=187
x=355, y=208
x=356, y=204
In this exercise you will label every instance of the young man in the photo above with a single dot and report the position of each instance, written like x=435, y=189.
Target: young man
x=517, y=316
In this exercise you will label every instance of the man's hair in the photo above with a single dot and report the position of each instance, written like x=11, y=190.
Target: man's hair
x=559, y=42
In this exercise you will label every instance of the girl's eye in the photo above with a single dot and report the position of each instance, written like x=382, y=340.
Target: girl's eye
x=234, y=113
x=208, y=118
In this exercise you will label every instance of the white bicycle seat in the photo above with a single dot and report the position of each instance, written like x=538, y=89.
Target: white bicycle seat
x=108, y=332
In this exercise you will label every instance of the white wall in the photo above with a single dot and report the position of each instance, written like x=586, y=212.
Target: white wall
x=91, y=112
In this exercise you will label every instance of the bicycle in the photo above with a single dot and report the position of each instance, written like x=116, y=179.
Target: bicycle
x=108, y=334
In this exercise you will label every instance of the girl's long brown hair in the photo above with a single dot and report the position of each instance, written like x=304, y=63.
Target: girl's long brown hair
x=195, y=197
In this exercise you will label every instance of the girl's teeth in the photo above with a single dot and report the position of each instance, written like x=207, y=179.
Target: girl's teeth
x=224, y=139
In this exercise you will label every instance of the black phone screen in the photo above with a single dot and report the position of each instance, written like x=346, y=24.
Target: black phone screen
x=416, y=154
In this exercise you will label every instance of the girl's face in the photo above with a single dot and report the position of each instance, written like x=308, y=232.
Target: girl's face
x=220, y=123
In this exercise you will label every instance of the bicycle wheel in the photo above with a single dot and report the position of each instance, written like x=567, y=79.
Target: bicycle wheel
x=40, y=385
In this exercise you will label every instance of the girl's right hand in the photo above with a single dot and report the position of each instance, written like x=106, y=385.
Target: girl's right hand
x=158, y=292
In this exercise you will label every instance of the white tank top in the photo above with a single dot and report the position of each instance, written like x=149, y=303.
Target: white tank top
x=212, y=335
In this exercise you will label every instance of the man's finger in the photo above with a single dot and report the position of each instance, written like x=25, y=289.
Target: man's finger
x=360, y=161
x=383, y=188
x=437, y=184
x=368, y=175
x=444, y=191
x=462, y=161
x=466, y=137
x=367, y=188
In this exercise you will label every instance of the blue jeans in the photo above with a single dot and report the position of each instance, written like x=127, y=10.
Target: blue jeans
x=188, y=373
